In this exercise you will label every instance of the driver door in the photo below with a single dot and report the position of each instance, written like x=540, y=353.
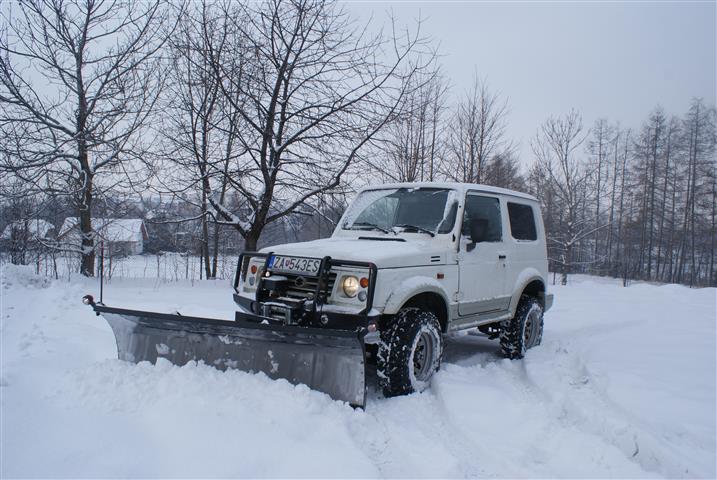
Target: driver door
x=482, y=264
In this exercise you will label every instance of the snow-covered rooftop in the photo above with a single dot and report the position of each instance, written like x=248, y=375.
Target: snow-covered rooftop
x=111, y=229
x=36, y=228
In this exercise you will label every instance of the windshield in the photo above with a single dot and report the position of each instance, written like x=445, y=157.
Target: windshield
x=422, y=210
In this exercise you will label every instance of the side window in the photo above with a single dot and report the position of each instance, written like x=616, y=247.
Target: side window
x=522, y=221
x=485, y=211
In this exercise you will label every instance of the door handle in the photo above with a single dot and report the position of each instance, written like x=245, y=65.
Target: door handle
x=502, y=256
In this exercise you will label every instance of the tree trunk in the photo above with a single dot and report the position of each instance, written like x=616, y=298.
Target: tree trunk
x=668, y=272
x=713, y=230
x=598, y=192
x=664, y=205
x=87, y=263
x=215, y=250
x=619, y=239
x=251, y=240
x=652, y=182
x=205, y=237
x=612, y=205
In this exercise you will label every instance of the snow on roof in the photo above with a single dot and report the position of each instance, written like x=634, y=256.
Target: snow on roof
x=112, y=229
x=36, y=227
x=461, y=187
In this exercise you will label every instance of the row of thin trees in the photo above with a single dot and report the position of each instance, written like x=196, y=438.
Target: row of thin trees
x=636, y=203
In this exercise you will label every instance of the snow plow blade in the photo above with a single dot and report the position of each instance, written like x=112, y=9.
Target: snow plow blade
x=330, y=361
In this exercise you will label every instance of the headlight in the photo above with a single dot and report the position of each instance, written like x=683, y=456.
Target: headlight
x=350, y=285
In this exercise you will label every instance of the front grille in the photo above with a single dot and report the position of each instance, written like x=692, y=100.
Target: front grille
x=305, y=287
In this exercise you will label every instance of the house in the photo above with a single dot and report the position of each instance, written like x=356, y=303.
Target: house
x=28, y=230
x=122, y=236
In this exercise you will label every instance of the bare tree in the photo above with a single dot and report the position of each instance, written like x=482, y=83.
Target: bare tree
x=477, y=133
x=199, y=125
x=412, y=142
x=598, y=147
x=700, y=126
x=315, y=91
x=77, y=81
x=503, y=170
x=555, y=147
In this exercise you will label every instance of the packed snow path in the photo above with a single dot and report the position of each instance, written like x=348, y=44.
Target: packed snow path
x=623, y=386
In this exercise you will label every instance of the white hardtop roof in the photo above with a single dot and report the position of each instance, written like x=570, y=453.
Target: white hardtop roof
x=461, y=187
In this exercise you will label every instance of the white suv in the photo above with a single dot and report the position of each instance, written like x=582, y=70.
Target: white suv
x=407, y=264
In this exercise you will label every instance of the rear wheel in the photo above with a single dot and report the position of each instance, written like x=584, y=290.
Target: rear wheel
x=524, y=330
x=410, y=352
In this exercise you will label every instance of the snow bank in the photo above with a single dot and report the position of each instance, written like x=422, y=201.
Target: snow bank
x=623, y=386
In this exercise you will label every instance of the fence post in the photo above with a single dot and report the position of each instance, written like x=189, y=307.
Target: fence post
x=102, y=268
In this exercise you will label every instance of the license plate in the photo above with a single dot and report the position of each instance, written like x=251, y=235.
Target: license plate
x=307, y=266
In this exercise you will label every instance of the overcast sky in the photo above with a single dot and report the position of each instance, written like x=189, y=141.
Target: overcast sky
x=607, y=59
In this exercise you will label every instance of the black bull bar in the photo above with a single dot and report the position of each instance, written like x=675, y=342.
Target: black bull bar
x=328, y=360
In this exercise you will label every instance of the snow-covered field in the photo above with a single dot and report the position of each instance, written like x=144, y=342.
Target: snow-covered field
x=623, y=386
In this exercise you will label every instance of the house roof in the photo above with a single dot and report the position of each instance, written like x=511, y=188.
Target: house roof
x=37, y=228
x=111, y=229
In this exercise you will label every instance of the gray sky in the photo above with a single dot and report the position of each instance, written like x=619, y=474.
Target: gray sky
x=613, y=60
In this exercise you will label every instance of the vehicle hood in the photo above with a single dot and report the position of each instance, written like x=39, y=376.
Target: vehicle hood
x=382, y=253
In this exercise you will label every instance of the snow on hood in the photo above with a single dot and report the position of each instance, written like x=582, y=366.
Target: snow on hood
x=383, y=253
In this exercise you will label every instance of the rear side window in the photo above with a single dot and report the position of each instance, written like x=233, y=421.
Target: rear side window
x=522, y=221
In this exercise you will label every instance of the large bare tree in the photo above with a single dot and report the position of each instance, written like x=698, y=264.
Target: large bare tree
x=315, y=89
x=77, y=81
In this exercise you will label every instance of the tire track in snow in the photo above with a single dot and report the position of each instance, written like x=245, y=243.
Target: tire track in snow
x=439, y=427
x=607, y=420
x=531, y=425
x=412, y=436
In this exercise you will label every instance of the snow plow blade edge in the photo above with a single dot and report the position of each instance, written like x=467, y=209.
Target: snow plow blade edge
x=330, y=361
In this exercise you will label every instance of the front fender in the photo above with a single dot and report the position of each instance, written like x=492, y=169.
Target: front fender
x=412, y=287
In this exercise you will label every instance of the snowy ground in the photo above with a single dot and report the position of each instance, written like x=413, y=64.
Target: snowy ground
x=623, y=386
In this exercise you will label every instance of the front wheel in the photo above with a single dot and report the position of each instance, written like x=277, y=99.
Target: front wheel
x=524, y=330
x=409, y=352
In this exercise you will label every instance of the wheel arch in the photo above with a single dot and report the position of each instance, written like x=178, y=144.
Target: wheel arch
x=422, y=293
x=529, y=283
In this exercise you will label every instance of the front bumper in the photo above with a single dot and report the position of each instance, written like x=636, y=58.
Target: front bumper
x=317, y=317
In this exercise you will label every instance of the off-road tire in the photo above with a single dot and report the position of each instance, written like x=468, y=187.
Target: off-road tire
x=524, y=330
x=401, y=340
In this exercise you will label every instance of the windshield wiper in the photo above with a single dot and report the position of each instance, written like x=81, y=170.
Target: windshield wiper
x=407, y=226
x=369, y=225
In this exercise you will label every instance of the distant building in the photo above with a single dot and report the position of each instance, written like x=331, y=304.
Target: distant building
x=29, y=230
x=122, y=236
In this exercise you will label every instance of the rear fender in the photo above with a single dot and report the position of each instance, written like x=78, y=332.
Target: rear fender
x=528, y=275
